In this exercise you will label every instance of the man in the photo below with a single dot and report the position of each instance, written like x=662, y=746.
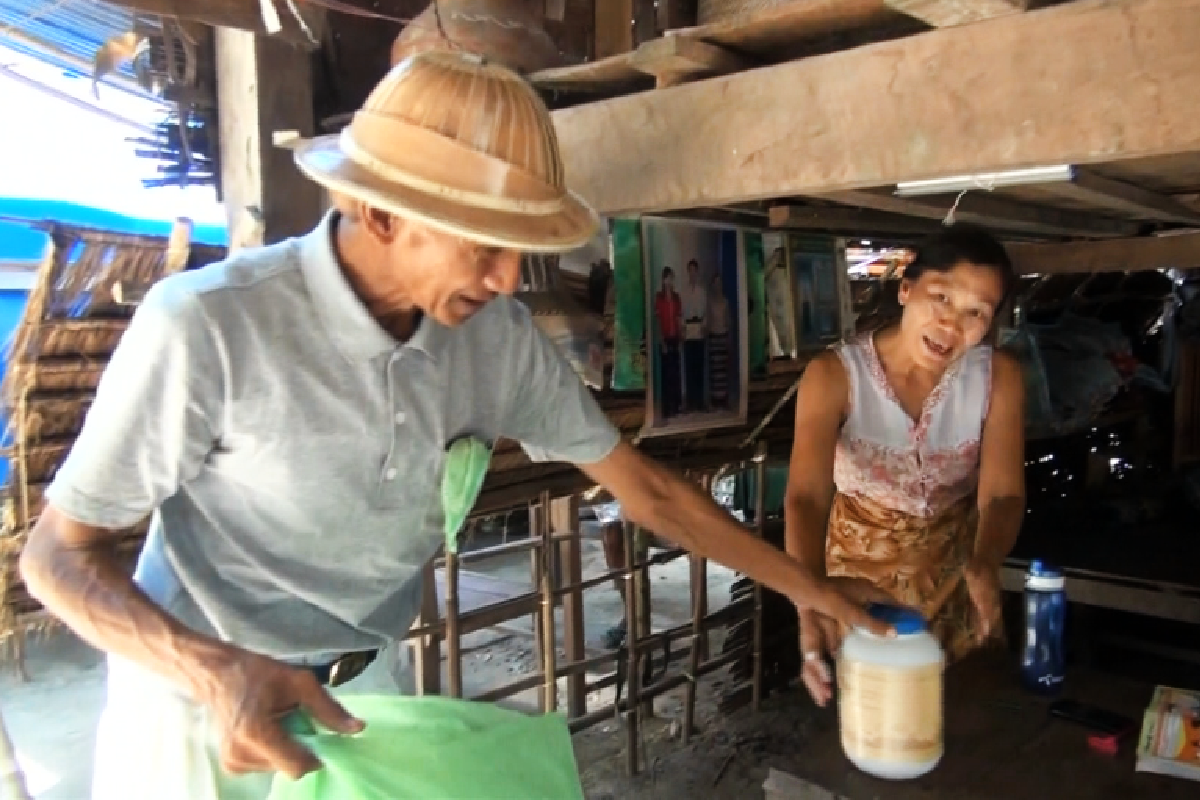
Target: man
x=669, y=311
x=284, y=415
x=695, y=333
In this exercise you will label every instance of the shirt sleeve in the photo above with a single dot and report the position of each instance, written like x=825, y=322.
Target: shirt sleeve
x=554, y=416
x=154, y=419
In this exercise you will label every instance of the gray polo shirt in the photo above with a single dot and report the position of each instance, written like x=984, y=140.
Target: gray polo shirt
x=291, y=450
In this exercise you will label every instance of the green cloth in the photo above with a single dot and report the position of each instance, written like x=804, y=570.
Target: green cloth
x=438, y=748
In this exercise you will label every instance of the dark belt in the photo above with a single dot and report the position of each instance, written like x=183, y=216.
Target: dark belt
x=344, y=669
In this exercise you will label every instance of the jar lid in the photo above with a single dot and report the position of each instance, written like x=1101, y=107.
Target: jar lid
x=905, y=620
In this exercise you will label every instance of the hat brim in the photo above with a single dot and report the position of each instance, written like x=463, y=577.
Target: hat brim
x=574, y=226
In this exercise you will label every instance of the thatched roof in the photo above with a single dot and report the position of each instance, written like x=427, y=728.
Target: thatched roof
x=80, y=304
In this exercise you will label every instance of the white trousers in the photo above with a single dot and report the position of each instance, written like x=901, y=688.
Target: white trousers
x=154, y=743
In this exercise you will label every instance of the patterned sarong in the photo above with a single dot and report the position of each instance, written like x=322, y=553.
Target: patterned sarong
x=917, y=561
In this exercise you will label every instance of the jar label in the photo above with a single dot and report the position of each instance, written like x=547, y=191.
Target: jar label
x=891, y=714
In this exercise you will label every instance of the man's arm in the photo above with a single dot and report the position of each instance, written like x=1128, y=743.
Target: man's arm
x=152, y=424
x=662, y=501
x=1001, y=495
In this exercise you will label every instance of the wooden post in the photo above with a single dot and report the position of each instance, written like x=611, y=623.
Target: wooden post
x=760, y=523
x=632, y=717
x=549, y=645
x=453, y=637
x=564, y=514
x=537, y=513
x=614, y=27
x=428, y=651
x=264, y=86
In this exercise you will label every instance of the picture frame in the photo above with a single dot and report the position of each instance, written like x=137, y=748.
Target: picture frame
x=696, y=324
x=780, y=288
x=821, y=291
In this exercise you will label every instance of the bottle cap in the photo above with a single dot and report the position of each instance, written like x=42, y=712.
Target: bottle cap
x=904, y=620
x=1043, y=577
x=1041, y=569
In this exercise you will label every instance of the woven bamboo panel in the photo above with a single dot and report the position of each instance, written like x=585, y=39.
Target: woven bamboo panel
x=75, y=317
x=94, y=337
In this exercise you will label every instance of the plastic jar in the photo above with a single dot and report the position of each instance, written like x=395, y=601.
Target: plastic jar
x=890, y=697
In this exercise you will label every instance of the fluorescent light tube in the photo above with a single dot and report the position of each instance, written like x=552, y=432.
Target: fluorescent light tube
x=986, y=181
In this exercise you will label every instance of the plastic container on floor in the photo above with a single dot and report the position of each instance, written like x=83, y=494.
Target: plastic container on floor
x=890, y=697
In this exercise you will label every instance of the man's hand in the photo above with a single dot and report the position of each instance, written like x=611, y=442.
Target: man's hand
x=983, y=583
x=821, y=635
x=250, y=695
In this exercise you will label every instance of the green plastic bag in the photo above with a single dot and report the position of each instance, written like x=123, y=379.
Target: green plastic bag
x=438, y=748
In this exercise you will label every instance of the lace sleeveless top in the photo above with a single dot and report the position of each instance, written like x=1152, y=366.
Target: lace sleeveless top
x=919, y=468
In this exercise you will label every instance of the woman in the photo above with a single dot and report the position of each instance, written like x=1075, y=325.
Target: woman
x=907, y=468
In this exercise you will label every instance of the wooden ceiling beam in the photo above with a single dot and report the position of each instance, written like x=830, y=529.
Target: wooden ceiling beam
x=1181, y=251
x=992, y=212
x=1100, y=81
x=946, y=13
x=858, y=222
x=673, y=60
x=1124, y=198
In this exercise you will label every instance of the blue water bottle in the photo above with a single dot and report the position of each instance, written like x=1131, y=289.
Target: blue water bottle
x=1042, y=661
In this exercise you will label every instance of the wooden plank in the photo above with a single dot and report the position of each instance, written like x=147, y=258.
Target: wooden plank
x=1115, y=255
x=932, y=105
x=860, y=222
x=564, y=516
x=1124, y=198
x=784, y=25
x=945, y=13
x=990, y=211
x=1120, y=594
x=709, y=11
x=264, y=85
x=677, y=60
x=614, y=28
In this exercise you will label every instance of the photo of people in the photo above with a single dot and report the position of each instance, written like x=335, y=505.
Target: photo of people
x=696, y=326
x=781, y=315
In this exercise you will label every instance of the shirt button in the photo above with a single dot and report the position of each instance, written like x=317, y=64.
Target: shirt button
x=400, y=417
x=390, y=474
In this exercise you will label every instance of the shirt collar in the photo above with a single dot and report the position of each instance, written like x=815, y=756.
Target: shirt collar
x=340, y=311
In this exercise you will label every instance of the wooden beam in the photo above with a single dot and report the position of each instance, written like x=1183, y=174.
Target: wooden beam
x=933, y=105
x=264, y=85
x=614, y=27
x=1124, y=198
x=981, y=208
x=860, y=222
x=674, y=60
x=1114, y=255
x=945, y=13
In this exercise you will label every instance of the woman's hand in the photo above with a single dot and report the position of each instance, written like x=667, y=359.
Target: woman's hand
x=983, y=583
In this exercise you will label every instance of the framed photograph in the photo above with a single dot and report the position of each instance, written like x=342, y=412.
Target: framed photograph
x=781, y=313
x=821, y=289
x=629, y=306
x=696, y=326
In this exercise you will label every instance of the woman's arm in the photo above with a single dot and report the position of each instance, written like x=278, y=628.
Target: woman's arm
x=1002, y=464
x=1001, y=495
x=821, y=401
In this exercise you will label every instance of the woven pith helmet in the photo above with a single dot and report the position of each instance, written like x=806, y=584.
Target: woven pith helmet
x=459, y=144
